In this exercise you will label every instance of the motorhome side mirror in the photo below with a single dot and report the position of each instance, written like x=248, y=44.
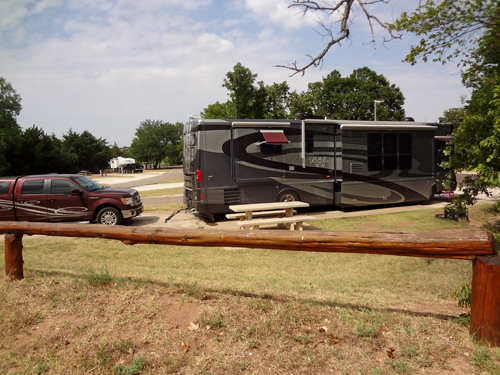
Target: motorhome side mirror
x=76, y=192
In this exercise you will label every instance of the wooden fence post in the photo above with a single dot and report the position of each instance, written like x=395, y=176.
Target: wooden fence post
x=485, y=301
x=14, y=256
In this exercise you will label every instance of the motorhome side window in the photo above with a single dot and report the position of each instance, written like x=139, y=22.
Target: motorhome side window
x=271, y=140
x=268, y=149
x=389, y=151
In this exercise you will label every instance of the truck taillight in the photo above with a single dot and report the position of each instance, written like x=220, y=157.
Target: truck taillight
x=199, y=177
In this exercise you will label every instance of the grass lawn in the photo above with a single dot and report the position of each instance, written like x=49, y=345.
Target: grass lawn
x=160, y=192
x=101, y=307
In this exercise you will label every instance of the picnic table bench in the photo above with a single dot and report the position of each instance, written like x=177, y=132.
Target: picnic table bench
x=284, y=212
x=292, y=222
x=242, y=217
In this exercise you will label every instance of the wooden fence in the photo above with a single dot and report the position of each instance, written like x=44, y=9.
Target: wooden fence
x=480, y=247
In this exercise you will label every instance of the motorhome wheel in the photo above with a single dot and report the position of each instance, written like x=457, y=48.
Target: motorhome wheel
x=288, y=196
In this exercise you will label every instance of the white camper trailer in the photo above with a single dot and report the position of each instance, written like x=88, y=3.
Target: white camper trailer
x=117, y=163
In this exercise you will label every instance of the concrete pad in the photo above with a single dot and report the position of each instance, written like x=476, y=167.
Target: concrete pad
x=118, y=178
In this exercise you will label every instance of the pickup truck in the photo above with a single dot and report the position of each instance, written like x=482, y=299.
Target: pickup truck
x=65, y=197
x=132, y=168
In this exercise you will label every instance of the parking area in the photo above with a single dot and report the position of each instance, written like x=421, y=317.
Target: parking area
x=150, y=180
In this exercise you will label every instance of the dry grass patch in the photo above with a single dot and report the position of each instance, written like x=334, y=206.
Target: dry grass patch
x=343, y=277
x=64, y=325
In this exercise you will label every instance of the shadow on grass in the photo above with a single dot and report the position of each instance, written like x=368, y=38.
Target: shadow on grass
x=204, y=293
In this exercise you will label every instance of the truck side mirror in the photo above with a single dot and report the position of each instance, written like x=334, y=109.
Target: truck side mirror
x=76, y=192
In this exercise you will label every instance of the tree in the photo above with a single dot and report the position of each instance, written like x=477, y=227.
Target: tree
x=115, y=151
x=249, y=99
x=469, y=25
x=10, y=131
x=345, y=11
x=85, y=152
x=443, y=24
x=155, y=140
x=453, y=116
x=352, y=97
x=41, y=153
x=218, y=110
x=473, y=27
x=277, y=101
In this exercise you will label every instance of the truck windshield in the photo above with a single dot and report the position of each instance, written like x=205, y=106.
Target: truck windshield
x=87, y=183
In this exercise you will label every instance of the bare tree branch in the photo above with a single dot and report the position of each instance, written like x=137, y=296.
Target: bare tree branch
x=345, y=9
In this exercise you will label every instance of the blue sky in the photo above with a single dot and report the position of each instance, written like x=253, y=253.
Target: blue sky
x=106, y=65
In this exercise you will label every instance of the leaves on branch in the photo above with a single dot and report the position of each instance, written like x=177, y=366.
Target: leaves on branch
x=446, y=24
x=346, y=11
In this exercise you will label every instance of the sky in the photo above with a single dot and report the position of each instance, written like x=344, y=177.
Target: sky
x=106, y=65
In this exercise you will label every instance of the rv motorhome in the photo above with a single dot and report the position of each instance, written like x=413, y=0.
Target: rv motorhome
x=318, y=161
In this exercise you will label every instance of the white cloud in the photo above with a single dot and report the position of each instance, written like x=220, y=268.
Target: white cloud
x=279, y=12
x=213, y=42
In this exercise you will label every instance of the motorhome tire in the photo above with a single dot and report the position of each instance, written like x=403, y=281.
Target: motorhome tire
x=109, y=216
x=433, y=192
x=288, y=196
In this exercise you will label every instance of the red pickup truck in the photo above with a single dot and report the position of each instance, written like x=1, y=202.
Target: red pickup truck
x=65, y=197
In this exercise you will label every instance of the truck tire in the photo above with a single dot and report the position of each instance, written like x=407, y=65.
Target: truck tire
x=109, y=216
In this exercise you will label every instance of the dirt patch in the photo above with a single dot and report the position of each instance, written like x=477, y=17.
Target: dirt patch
x=179, y=314
x=56, y=324
x=91, y=330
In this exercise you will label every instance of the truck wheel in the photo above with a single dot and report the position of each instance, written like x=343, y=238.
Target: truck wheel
x=109, y=216
x=287, y=196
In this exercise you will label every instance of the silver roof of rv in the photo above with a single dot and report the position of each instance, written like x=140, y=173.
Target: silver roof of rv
x=344, y=124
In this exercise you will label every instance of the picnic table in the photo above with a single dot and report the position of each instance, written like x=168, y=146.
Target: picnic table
x=284, y=212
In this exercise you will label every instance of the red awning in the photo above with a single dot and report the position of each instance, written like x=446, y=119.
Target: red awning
x=275, y=137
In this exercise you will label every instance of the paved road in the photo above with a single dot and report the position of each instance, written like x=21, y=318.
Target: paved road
x=163, y=178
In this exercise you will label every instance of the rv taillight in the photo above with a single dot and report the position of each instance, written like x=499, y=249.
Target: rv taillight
x=199, y=177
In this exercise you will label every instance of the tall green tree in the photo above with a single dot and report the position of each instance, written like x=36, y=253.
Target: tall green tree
x=250, y=99
x=347, y=98
x=220, y=110
x=246, y=96
x=467, y=31
x=453, y=116
x=455, y=30
x=352, y=97
x=85, y=152
x=10, y=131
x=277, y=101
x=41, y=153
x=156, y=140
